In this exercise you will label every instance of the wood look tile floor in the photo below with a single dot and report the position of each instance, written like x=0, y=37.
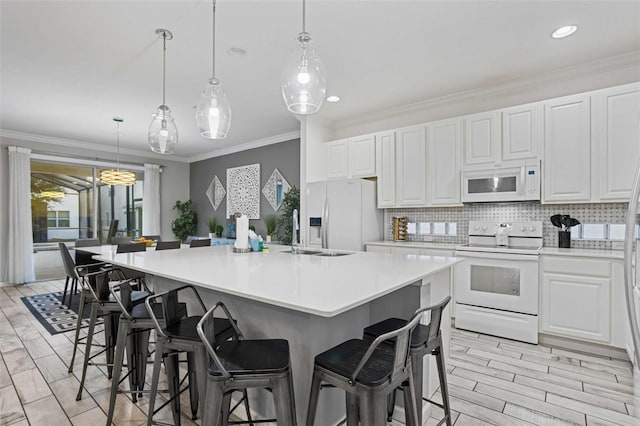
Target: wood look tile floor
x=492, y=381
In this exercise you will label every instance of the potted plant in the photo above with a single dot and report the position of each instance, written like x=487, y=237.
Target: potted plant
x=186, y=223
x=212, y=224
x=290, y=202
x=270, y=222
x=219, y=229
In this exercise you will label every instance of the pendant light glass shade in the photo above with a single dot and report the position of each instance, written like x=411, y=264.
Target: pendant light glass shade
x=163, y=133
x=117, y=176
x=303, y=78
x=213, y=113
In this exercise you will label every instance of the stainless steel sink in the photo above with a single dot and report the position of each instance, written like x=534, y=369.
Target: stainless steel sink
x=332, y=254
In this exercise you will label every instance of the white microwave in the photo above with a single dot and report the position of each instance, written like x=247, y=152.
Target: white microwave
x=512, y=181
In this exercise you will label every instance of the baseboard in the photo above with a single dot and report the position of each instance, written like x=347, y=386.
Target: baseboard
x=582, y=346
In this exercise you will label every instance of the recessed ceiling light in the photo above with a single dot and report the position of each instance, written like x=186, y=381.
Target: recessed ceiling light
x=565, y=31
x=236, y=51
x=333, y=98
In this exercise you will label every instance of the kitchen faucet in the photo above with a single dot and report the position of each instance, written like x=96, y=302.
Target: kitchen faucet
x=294, y=232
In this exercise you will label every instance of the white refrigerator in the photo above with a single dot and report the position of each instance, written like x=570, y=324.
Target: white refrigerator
x=342, y=214
x=632, y=282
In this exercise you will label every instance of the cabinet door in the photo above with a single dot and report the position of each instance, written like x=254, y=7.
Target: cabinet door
x=337, y=164
x=567, y=144
x=386, y=169
x=576, y=306
x=482, y=138
x=616, y=139
x=522, y=131
x=411, y=168
x=362, y=156
x=443, y=161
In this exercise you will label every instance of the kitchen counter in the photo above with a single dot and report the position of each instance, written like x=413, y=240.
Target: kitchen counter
x=324, y=286
x=415, y=244
x=314, y=302
x=577, y=252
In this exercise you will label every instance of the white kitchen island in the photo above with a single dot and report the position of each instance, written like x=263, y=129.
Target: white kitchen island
x=314, y=302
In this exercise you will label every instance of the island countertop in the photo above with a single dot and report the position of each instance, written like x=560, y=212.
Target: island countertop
x=324, y=286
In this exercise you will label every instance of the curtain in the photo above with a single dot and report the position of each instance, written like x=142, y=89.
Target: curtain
x=151, y=200
x=20, y=265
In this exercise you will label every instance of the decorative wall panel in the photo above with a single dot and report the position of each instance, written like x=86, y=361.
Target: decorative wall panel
x=275, y=188
x=215, y=192
x=243, y=191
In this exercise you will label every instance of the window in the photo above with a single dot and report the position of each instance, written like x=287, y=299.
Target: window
x=57, y=219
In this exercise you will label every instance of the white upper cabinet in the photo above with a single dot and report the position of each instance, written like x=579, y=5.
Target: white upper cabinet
x=354, y=157
x=337, y=159
x=616, y=140
x=411, y=159
x=567, y=150
x=482, y=138
x=443, y=162
x=522, y=131
x=362, y=156
x=386, y=167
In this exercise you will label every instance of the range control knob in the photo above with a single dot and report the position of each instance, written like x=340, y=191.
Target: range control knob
x=523, y=228
x=484, y=228
x=475, y=228
x=532, y=228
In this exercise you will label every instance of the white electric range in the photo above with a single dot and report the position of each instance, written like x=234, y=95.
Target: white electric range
x=496, y=287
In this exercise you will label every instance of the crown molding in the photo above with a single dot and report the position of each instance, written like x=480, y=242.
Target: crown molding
x=71, y=143
x=600, y=66
x=283, y=137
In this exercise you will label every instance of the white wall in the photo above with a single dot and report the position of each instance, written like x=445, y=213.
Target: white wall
x=174, y=180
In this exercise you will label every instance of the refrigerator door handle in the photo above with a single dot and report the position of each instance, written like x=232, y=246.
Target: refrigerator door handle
x=630, y=236
x=325, y=224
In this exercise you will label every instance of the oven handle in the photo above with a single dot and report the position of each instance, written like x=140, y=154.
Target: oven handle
x=497, y=256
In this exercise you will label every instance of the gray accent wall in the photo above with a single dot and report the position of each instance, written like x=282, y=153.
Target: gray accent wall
x=285, y=156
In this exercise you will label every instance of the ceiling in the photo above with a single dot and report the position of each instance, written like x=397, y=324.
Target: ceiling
x=68, y=67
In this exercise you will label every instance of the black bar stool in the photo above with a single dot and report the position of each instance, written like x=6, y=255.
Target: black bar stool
x=176, y=335
x=168, y=245
x=368, y=371
x=105, y=305
x=134, y=328
x=200, y=243
x=239, y=364
x=425, y=339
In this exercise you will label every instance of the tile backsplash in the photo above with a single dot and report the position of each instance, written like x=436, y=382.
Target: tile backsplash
x=509, y=212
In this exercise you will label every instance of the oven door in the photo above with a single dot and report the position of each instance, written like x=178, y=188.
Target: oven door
x=504, y=184
x=502, y=281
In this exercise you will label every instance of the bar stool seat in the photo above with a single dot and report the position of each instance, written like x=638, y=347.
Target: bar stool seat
x=140, y=311
x=263, y=356
x=137, y=297
x=344, y=358
x=186, y=328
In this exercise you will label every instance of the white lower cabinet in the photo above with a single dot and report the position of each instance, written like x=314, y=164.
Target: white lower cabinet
x=583, y=298
x=378, y=249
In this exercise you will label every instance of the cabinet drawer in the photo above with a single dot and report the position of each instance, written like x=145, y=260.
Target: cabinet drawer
x=568, y=265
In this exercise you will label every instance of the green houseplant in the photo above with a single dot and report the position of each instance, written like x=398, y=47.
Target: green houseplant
x=212, y=224
x=186, y=223
x=270, y=223
x=219, y=229
x=290, y=202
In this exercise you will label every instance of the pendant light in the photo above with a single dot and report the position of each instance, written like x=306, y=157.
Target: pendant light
x=213, y=113
x=117, y=176
x=303, y=77
x=163, y=133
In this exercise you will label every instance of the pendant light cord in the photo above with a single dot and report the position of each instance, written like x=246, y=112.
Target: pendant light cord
x=118, y=145
x=213, y=41
x=164, y=64
x=304, y=19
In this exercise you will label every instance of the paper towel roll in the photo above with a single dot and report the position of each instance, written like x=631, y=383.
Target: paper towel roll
x=242, y=232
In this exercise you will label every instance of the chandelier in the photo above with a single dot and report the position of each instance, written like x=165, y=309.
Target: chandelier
x=117, y=176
